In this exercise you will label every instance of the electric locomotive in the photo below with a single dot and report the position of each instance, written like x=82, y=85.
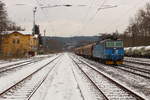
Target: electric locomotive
x=108, y=51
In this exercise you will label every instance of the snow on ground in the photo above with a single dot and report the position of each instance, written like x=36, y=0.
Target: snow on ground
x=66, y=81
x=46, y=55
x=88, y=90
x=65, y=84
x=3, y=61
x=27, y=87
x=136, y=83
x=42, y=91
x=12, y=78
x=60, y=85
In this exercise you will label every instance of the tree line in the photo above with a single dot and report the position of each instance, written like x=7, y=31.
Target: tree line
x=137, y=32
x=5, y=23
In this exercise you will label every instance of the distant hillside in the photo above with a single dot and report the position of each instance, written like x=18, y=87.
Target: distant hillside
x=66, y=43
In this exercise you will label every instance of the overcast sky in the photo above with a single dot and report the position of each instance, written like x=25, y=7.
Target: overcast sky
x=74, y=21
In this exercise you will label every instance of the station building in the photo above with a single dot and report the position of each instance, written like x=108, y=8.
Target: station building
x=19, y=43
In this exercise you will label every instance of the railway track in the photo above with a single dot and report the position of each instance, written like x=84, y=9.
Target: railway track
x=4, y=62
x=14, y=63
x=137, y=59
x=93, y=83
x=25, y=88
x=135, y=70
x=110, y=88
x=17, y=62
x=142, y=72
x=138, y=62
x=9, y=61
x=17, y=65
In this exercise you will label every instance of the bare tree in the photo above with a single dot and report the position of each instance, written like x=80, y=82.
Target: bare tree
x=3, y=17
x=139, y=27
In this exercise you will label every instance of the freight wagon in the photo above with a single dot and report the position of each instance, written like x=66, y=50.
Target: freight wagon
x=140, y=51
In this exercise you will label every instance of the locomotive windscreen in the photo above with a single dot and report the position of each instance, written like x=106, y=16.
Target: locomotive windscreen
x=114, y=44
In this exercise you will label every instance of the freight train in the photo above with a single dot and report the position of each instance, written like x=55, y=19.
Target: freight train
x=108, y=51
x=140, y=51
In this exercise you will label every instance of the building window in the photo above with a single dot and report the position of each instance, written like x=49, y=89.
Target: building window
x=16, y=41
x=13, y=41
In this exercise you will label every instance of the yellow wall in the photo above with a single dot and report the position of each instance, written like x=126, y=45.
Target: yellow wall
x=17, y=44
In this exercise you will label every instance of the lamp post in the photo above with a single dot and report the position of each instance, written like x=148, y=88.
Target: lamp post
x=34, y=11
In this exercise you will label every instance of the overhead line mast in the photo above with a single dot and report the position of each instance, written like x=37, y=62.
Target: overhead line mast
x=34, y=11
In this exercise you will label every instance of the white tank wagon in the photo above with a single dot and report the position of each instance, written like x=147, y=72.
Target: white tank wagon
x=140, y=51
x=127, y=51
x=133, y=51
x=146, y=52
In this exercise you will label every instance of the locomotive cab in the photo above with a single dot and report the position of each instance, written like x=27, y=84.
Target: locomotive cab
x=114, y=52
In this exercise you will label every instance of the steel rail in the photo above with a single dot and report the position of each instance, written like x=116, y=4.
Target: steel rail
x=38, y=86
x=6, y=90
x=9, y=68
x=105, y=97
x=137, y=96
x=137, y=62
x=141, y=70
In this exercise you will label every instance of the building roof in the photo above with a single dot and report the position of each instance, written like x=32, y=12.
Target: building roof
x=22, y=32
x=27, y=33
